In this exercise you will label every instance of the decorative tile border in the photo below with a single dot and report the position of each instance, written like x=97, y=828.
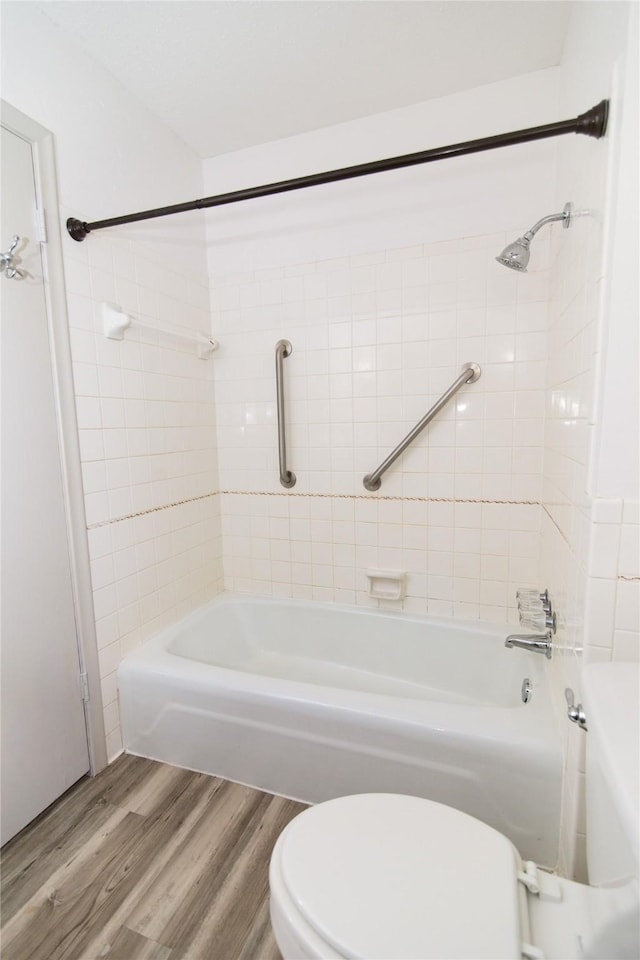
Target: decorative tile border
x=324, y=496
x=375, y=499
x=144, y=513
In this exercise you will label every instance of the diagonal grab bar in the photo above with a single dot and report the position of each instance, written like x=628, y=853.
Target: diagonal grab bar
x=287, y=477
x=470, y=373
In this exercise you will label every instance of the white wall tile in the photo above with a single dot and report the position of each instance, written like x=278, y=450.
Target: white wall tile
x=147, y=440
x=627, y=611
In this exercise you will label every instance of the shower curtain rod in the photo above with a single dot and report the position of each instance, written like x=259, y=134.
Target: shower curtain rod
x=593, y=123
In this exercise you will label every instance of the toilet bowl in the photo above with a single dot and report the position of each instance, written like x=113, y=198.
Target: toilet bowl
x=392, y=877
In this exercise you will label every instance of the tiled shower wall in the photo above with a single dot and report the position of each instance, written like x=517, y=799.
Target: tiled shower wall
x=590, y=543
x=590, y=546
x=376, y=339
x=148, y=448
x=566, y=509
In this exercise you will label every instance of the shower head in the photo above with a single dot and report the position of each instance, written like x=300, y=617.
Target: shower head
x=516, y=255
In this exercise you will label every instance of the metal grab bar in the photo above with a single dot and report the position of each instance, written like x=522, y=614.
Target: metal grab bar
x=287, y=477
x=470, y=373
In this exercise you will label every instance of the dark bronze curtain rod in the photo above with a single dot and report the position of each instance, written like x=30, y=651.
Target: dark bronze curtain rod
x=593, y=123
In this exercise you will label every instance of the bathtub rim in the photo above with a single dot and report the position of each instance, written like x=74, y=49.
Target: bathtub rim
x=228, y=597
x=512, y=724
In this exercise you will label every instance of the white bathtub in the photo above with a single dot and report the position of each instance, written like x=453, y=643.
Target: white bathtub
x=313, y=701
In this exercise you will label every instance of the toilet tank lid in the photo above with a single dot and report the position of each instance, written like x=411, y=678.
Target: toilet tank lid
x=388, y=876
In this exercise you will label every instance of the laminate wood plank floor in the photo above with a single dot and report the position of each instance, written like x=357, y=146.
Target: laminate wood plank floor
x=144, y=862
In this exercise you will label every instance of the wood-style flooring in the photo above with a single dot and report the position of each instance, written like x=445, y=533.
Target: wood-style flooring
x=144, y=862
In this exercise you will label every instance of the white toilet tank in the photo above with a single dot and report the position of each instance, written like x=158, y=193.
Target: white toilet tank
x=611, y=702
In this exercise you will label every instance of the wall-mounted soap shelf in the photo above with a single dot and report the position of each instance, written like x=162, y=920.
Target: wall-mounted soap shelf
x=386, y=584
x=116, y=321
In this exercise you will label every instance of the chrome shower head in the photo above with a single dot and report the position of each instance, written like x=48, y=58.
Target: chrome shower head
x=516, y=255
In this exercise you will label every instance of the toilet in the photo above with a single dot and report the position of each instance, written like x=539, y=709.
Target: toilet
x=393, y=877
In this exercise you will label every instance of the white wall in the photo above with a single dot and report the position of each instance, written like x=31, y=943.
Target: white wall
x=113, y=156
x=615, y=468
x=468, y=196
x=590, y=549
x=145, y=405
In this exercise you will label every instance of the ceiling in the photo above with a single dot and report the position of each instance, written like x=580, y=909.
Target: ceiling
x=228, y=74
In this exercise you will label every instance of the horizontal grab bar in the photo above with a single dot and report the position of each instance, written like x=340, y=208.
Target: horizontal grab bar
x=287, y=477
x=470, y=373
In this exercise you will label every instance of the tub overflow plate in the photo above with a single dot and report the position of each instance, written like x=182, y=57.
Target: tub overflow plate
x=527, y=690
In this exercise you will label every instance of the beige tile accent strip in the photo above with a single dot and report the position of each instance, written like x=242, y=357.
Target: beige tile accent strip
x=144, y=513
x=329, y=496
x=364, y=496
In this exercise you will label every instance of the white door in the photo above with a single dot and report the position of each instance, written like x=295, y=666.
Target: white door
x=43, y=737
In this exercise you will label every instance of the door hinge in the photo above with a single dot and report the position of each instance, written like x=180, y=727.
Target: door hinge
x=41, y=225
x=84, y=687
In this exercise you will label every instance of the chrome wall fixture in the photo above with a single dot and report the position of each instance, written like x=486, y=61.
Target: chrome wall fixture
x=538, y=643
x=535, y=613
x=7, y=261
x=287, y=477
x=516, y=255
x=535, y=610
x=470, y=373
x=593, y=123
x=575, y=711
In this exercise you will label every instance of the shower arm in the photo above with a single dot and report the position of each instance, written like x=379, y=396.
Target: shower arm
x=552, y=218
x=593, y=123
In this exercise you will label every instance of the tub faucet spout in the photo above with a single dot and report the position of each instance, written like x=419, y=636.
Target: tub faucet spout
x=539, y=643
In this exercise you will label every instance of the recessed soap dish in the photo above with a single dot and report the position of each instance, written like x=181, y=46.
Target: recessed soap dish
x=386, y=584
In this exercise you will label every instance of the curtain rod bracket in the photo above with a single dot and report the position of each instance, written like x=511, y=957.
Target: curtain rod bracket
x=593, y=123
x=77, y=229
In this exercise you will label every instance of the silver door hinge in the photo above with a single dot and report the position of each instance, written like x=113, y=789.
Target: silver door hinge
x=84, y=687
x=41, y=225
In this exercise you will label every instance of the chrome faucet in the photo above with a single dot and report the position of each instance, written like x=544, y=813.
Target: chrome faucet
x=539, y=643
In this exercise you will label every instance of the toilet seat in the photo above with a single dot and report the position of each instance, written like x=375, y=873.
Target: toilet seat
x=388, y=876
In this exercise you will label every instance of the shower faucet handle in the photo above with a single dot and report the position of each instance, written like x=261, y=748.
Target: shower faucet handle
x=531, y=601
x=531, y=595
x=535, y=611
x=538, y=620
